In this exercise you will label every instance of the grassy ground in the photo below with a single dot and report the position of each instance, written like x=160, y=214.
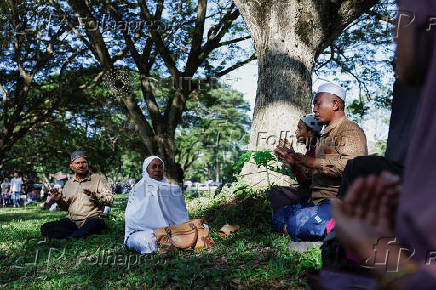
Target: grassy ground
x=253, y=257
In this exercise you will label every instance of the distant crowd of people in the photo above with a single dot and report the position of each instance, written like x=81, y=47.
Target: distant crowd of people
x=13, y=189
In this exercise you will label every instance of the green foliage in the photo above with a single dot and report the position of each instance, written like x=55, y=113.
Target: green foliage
x=364, y=52
x=358, y=108
x=215, y=123
x=245, y=157
x=212, y=132
x=43, y=53
x=381, y=148
x=262, y=158
x=91, y=123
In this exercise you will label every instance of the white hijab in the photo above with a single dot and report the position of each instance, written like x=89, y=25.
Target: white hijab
x=153, y=204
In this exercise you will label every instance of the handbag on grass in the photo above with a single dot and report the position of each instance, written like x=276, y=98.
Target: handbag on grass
x=193, y=234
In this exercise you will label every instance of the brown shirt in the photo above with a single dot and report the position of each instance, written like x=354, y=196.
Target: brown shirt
x=81, y=206
x=341, y=141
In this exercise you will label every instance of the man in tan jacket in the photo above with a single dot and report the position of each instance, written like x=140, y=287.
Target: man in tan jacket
x=84, y=197
x=342, y=140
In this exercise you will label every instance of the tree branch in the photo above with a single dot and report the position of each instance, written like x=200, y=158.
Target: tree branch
x=163, y=50
x=94, y=35
x=378, y=16
x=197, y=37
x=235, y=66
x=72, y=26
x=217, y=32
x=152, y=105
x=93, y=81
x=48, y=54
x=98, y=47
x=189, y=163
x=236, y=40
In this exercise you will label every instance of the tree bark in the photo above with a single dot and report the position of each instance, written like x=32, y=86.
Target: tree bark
x=165, y=149
x=288, y=36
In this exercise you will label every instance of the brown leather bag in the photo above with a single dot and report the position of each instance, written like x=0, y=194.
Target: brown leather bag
x=189, y=235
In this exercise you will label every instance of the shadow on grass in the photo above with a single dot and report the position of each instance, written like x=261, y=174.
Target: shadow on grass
x=15, y=216
x=252, y=257
x=245, y=210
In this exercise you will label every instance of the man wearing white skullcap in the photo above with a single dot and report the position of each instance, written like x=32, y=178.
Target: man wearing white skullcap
x=341, y=141
x=329, y=103
x=333, y=89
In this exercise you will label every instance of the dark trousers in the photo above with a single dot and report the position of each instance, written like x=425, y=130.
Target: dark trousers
x=281, y=196
x=65, y=228
x=365, y=165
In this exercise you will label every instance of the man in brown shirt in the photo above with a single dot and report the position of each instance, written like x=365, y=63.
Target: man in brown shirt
x=84, y=197
x=341, y=141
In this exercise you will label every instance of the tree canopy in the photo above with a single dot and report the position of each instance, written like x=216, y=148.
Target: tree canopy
x=146, y=71
x=213, y=119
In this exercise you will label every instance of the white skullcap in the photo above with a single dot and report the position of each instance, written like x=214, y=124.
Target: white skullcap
x=311, y=122
x=333, y=89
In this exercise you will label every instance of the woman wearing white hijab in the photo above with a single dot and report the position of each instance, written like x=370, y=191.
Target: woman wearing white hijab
x=153, y=203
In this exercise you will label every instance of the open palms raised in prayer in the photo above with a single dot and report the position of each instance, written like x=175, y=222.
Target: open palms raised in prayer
x=366, y=213
x=88, y=192
x=55, y=194
x=285, y=152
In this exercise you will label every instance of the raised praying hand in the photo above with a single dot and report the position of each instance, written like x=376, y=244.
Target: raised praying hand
x=365, y=214
x=285, y=152
x=89, y=193
x=55, y=194
x=286, y=145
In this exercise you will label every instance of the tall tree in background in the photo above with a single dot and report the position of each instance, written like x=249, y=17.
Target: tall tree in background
x=89, y=122
x=212, y=133
x=289, y=35
x=173, y=39
x=215, y=123
x=27, y=54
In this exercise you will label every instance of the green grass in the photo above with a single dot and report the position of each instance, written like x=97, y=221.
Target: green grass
x=252, y=257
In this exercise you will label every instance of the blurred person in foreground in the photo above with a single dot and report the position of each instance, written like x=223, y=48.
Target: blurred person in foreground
x=383, y=213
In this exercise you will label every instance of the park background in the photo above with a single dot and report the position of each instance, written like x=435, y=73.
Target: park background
x=181, y=84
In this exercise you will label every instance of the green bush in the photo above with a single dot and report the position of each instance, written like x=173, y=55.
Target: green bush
x=262, y=158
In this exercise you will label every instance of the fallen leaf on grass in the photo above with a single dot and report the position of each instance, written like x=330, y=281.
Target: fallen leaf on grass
x=227, y=230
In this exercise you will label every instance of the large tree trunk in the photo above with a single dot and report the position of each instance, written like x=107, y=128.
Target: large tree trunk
x=284, y=86
x=165, y=150
x=288, y=36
